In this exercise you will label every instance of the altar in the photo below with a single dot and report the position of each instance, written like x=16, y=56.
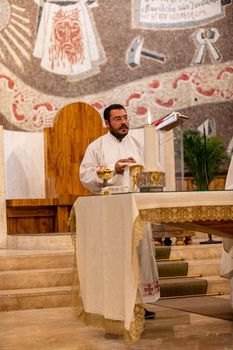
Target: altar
x=109, y=229
x=205, y=211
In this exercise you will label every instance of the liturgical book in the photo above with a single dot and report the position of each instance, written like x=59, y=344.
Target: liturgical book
x=170, y=121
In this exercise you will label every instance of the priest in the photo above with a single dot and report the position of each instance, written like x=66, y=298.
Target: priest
x=116, y=150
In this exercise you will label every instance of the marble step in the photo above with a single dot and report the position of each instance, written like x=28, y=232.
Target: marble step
x=35, y=298
x=63, y=241
x=41, y=241
x=182, y=286
x=41, y=278
x=19, y=259
x=197, y=251
x=218, y=284
x=35, y=278
x=60, y=296
x=172, y=268
x=204, y=267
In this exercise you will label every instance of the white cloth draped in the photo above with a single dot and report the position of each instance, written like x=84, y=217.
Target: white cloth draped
x=227, y=250
x=104, y=255
x=149, y=277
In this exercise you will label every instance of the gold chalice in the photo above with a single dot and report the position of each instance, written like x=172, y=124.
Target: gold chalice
x=134, y=169
x=105, y=174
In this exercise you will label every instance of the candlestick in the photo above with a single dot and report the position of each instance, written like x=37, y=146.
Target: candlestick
x=151, y=148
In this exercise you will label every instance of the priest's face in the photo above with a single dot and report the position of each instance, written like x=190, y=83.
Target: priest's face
x=118, y=124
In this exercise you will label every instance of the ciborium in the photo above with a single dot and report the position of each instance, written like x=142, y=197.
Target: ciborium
x=105, y=174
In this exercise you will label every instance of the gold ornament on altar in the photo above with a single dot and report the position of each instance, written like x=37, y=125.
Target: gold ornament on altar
x=135, y=169
x=105, y=174
x=151, y=181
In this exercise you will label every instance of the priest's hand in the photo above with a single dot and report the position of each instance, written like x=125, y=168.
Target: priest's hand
x=121, y=164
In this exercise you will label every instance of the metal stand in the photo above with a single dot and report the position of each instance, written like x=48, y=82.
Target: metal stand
x=210, y=241
x=182, y=155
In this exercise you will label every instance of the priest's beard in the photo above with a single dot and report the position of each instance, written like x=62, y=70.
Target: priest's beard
x=118, y=133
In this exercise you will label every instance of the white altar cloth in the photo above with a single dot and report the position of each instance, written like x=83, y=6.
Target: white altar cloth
x=183, y=199
x=104, y=255
x=106, y=231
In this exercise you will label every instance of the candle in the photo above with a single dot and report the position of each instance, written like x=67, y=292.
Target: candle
x=151, y=146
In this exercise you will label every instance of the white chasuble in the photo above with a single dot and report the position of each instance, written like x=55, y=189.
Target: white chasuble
x=106, y=151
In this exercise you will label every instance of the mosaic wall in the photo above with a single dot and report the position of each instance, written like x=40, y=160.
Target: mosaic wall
x=166, y=55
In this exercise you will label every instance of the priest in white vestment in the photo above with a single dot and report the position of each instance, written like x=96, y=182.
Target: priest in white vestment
x=227, y=250
x=116, y=150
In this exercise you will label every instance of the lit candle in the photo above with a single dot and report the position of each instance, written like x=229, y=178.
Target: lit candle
x=151, y=146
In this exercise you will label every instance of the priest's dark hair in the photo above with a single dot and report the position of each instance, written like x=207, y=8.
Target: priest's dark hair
x=108, y=110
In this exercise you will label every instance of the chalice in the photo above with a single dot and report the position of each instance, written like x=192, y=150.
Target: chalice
x=134, y=169
x=105, y=174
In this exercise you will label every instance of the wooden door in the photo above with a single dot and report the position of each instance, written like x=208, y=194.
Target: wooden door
x=75, y=126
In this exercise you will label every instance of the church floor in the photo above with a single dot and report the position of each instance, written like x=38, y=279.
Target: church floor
x=56, y=328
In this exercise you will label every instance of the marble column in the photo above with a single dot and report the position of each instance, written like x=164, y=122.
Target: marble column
x=3, y=226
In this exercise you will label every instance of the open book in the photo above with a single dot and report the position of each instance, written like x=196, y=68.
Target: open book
x=170, y=121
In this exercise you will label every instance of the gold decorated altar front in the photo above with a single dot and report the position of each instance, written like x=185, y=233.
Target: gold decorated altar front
x=109, y=229
x=205, y=211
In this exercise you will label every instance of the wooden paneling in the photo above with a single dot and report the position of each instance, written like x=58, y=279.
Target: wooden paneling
x=46, y=215
x=216, y=184
x=76, y=125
